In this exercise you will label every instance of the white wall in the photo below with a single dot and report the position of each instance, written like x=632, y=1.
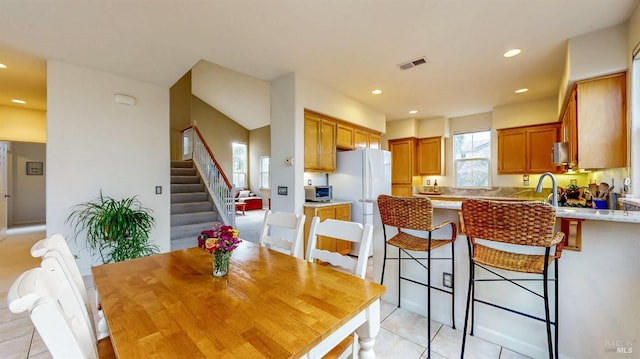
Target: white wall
x=287, y=136
x=25, y=125
x=598, y=53
x=525, y=113
x=594, y=54
x=28, y=192
x=96, y=144
x=433, y=127
x=400, y=129
x=316, y=97
x=243, y=98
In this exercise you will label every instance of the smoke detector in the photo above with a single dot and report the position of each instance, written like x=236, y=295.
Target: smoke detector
x=413, y=63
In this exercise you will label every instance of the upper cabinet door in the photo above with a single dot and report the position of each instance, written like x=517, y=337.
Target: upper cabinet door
x=403, y=166
x=602, y=122
x=319, y=144
x=311, y=141
x=431, y=156
x=529, y=149
x=540, y=142
x=344, y=137
x=512, y=150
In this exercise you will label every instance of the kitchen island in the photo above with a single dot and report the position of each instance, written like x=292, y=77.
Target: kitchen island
x=599, y=285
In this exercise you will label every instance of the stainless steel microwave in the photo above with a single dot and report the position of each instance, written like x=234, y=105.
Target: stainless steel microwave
x=318, y=193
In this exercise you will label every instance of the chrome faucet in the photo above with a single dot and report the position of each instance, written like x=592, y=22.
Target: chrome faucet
x=554, y=194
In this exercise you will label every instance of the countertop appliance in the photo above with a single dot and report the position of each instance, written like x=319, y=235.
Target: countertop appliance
x=318, y=193
x=361, y=176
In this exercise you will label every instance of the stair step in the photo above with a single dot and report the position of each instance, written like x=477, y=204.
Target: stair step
x=186, y=163
x=189, y=197
x=190, y=230
x=193, y=218
x=191, y=207
x=184, y=179
x=187, y=188
x=183, y=172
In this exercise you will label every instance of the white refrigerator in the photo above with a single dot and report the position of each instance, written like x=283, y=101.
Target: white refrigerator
x=361, y=176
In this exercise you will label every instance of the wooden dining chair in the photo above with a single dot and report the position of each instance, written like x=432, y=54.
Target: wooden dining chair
x=502, y=239
x=56, y=247
x=347, y=231
x=57, y=313
x=282, y=231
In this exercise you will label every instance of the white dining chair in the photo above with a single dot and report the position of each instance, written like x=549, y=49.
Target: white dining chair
x=282, y=232
x=57, y=312
x=348, y=231
x=56, y=247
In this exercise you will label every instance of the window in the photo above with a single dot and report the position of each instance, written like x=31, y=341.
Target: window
x=265, y=168
x=240, y=165
x=472, y=155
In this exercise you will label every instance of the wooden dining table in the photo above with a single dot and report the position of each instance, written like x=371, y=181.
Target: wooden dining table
x=269, y=305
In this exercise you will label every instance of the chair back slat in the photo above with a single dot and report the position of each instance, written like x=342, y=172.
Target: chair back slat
x=525, y=223
x=56, y=312
x=56, y=248
x=282, y=231
x=342, y=230
x=414, y=213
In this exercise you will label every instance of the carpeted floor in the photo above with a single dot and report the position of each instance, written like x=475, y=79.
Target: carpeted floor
x=250, y=224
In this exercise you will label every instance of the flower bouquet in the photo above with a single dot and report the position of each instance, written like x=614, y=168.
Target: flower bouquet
x=220, y=241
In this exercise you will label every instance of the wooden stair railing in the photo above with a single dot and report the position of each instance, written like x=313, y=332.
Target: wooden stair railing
x=222, y=193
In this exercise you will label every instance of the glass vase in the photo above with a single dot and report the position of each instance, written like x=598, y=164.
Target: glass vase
x=220, y=263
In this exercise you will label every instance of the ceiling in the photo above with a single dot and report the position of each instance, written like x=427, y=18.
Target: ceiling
x=350, y=46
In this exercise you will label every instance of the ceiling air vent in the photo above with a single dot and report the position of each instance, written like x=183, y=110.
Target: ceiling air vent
x=413, y=63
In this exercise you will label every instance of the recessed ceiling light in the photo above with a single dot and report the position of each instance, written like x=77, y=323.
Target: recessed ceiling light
x=413, y=112
x=376, y=92
x=522, y=90
x=3, y=66
x=512, y=53
x=15, y=100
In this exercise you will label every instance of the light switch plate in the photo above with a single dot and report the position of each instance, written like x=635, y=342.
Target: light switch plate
x=282, y=190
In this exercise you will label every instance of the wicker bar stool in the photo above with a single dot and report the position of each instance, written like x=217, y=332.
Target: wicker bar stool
x=416, y=214
x=527, y=224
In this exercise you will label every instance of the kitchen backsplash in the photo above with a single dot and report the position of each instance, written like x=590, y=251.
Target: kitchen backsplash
x=506, y=192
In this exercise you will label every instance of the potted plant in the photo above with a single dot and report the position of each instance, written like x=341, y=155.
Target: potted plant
x=116, y=229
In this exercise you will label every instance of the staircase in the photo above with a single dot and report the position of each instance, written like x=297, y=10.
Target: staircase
x=191, y=208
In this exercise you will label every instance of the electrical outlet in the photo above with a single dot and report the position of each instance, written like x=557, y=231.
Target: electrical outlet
x=447, y=280
x=428, y=182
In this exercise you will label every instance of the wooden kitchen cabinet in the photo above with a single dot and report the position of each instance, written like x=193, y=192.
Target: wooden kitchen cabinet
x=601, y=120
x=350, y=137
x=339, y=211
x=319, y=143
x=375, y=140
x=403, y=165
x=431, y=156
x=366, y=139
x=570, y=129
x=528, y=149
x=345, y=137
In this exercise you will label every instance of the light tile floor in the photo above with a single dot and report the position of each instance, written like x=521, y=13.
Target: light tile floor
x=402, y=334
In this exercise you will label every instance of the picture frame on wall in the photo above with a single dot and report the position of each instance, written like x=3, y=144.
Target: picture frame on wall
x=34, y=168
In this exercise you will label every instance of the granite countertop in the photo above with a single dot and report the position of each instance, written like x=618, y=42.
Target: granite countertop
x=324, y=204
x=564, y=212
x=630, y=200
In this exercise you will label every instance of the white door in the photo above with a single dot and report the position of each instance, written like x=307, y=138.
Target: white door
x=3, y=189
